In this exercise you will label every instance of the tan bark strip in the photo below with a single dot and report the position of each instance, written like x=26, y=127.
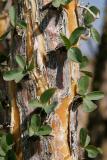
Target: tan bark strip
x=29, y=34
x=60, y=124
x=33, y=27
x=4, y=23
x=15, y=121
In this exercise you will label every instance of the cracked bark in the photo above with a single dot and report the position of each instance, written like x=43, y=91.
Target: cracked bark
x=42, y=41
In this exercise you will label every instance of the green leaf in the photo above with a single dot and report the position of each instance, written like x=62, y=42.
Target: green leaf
x=35, y=103
x=83, y=84
x=22, y=24
x=66, y=41
x=100, y=150
x=64, y=2
x=44, y=130
x=75, y=35
x=92, y=151
x=58, y=3
x=4, y=144
x=95, y=35
x=1, y=133
x=2, y=152
x=16, y=74
x=35, y=122
x=12, y=14
x=50, y=108
x=87, y=73
x=31, y=131
x=95, y=10
x=9, y=139
x=74, y=54
x=20, y=61
x=46, y=95
x=88, y=105
x=88, y=17
x=19, y=77
x=84, y=137
x=84, y=62
x=95, y=95
x=2, y=158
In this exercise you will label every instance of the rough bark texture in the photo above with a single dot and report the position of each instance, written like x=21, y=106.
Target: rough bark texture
x=42, y=41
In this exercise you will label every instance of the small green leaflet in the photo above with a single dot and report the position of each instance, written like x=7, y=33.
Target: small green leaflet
x=66, y=41
x=84, y=137
x=44, y=130
x=20, y=61
x=88, y=105
x=88, y=17
x=4, y=145
x=95, y=35
x=84, y=62
x=50, y=108
x=35, y=103
x=22, y=24
x=2, y=152
x=83, y=85
x=74, y=54
x=35, y=122
x=75, y=35
x=2, y=158
x=58, y=3
x=36, y=128
x=47, y=108
x=46, y=95
x=16, y=74
x=92, y=151
x=87, y=73
x=85, y=140
x=31, y=131
x=12, y=14
x=95, y=95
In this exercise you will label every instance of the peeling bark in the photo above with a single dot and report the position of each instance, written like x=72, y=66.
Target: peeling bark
x=41, y=40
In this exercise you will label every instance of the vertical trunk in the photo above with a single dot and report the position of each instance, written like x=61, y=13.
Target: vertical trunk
x=41, y=40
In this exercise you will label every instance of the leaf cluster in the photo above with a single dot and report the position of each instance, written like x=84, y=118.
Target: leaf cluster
x=88, y=105
x=6, y=146
x=19, y=73
x=13, y=18
x=14, y=22
x=91, y=150
x=36, y=126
